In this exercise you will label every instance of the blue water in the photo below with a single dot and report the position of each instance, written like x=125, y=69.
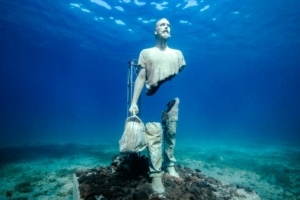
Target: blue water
x=63, y=70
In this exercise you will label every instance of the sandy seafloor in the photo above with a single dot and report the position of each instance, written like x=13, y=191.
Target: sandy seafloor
x=45, y=171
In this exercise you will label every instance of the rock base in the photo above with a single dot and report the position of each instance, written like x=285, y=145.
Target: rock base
x=127, y=178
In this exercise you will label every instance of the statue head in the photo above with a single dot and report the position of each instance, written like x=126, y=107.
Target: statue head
x=162, y=29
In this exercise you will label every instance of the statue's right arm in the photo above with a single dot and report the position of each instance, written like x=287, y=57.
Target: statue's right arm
x=138, y=87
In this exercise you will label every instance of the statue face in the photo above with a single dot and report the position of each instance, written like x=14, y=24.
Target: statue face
x=162, y=29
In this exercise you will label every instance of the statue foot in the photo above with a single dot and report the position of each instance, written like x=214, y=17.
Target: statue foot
x=172, y=172
x=157, y=186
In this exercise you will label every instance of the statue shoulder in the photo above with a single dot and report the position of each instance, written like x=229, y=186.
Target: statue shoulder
x=175, y=50
x=147, y=50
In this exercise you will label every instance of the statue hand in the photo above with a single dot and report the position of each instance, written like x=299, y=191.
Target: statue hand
x=134, y=109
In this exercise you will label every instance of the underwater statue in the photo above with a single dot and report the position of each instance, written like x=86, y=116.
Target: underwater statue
x=158, y=65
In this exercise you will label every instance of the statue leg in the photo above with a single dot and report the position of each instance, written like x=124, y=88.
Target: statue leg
x=154, y=138
x=169, y=120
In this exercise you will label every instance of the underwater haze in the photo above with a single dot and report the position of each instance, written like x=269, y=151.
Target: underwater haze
x=63, y=90
x=64, y=68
